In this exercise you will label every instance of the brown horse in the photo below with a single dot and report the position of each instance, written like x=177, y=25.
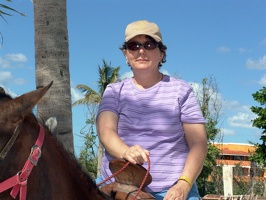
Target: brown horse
x=56, y=176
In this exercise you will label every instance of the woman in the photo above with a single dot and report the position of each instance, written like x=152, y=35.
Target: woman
x=153, y=115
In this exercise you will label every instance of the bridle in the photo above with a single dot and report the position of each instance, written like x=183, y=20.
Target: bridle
x=18, y=182
x=10, y=143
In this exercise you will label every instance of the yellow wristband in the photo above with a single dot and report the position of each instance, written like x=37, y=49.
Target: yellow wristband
x=185, y=179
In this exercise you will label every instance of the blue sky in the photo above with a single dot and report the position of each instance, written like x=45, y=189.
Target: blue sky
x=225, y=39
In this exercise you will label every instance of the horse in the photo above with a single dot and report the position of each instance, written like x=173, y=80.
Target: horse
x=33, y=163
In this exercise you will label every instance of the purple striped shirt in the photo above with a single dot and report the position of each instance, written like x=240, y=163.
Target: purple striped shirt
x=152, y=118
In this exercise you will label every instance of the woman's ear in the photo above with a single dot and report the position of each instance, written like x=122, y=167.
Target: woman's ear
x=127, y=61
x=162, y=55
x=124, y=52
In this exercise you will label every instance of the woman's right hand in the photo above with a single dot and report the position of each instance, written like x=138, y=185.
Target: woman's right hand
x=136, y=155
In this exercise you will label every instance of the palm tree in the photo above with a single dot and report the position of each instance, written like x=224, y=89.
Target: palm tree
x=5, y=8
x=52, y=64
x=4, y=11
x=107, y=74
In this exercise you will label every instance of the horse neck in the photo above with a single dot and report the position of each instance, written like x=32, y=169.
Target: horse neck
x=62, y=167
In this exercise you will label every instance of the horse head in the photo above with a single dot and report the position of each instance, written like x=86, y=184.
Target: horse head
x=23, y=140
x=13, y=111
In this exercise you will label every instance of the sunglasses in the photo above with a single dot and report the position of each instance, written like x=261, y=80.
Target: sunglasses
x=134, y=46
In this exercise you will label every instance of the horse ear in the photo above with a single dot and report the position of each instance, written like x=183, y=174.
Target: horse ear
x=30, y=99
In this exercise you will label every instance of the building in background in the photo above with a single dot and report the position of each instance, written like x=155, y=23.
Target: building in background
x=236, y=168
x=233, y=154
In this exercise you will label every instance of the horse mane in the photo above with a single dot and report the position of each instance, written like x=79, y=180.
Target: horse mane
x=75, y=168
x=2, y=90
x=3, y=94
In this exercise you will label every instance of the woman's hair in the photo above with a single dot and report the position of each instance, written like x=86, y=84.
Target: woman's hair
x=161, y=46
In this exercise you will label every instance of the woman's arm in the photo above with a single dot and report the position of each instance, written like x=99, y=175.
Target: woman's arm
x=107, y=132
x=197, y=141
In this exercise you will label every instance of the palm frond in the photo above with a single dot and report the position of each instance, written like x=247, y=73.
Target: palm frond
x=91, y=96
x=107, y=74
x=85, y=89
x=2, y=13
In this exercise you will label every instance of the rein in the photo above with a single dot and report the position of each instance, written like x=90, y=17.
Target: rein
x=19, y=181
x=127, y=163
x=10, y=143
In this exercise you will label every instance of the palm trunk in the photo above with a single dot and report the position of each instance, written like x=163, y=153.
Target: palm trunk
x=52, y=64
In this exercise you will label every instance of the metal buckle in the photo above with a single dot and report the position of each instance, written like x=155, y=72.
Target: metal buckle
x=20, y=181
x=38, y=155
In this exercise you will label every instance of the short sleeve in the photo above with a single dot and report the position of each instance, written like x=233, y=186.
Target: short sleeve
x=109, y=100
x=190, y=108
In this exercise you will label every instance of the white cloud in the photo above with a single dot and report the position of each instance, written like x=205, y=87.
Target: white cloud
x=223, y=49
x=12, y=60
x=19, y=57
x=263, y=42
x=235, y=106
x=238, y=115
x=75, y=95
x=127, y=75
x=263, y=81
x=164, y=71
x=242, y=50
x=259, y=64
x=228, y=131
x=5, y=76
x=4, y=63
x=242, y=120
x=20, y=81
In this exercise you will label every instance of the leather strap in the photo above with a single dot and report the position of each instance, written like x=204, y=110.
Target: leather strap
x=19, y=181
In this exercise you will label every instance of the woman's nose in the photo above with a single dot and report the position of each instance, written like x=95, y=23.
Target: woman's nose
x=142, y=50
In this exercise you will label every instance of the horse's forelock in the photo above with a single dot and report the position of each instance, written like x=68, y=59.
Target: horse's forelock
x=4, y=94
x=2, y=90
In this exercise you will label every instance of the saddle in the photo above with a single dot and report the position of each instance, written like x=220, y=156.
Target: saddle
x=128, y=181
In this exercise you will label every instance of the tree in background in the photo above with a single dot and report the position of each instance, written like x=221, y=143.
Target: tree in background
x=207, y=95
x=4, y=10
x=88, y=155
x=259, y=156
x=88, y=158
x=260, y=122
x=52, y=64
x=246, y=185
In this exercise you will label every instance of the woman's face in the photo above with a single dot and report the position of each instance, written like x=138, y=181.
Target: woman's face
x=143, y=58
